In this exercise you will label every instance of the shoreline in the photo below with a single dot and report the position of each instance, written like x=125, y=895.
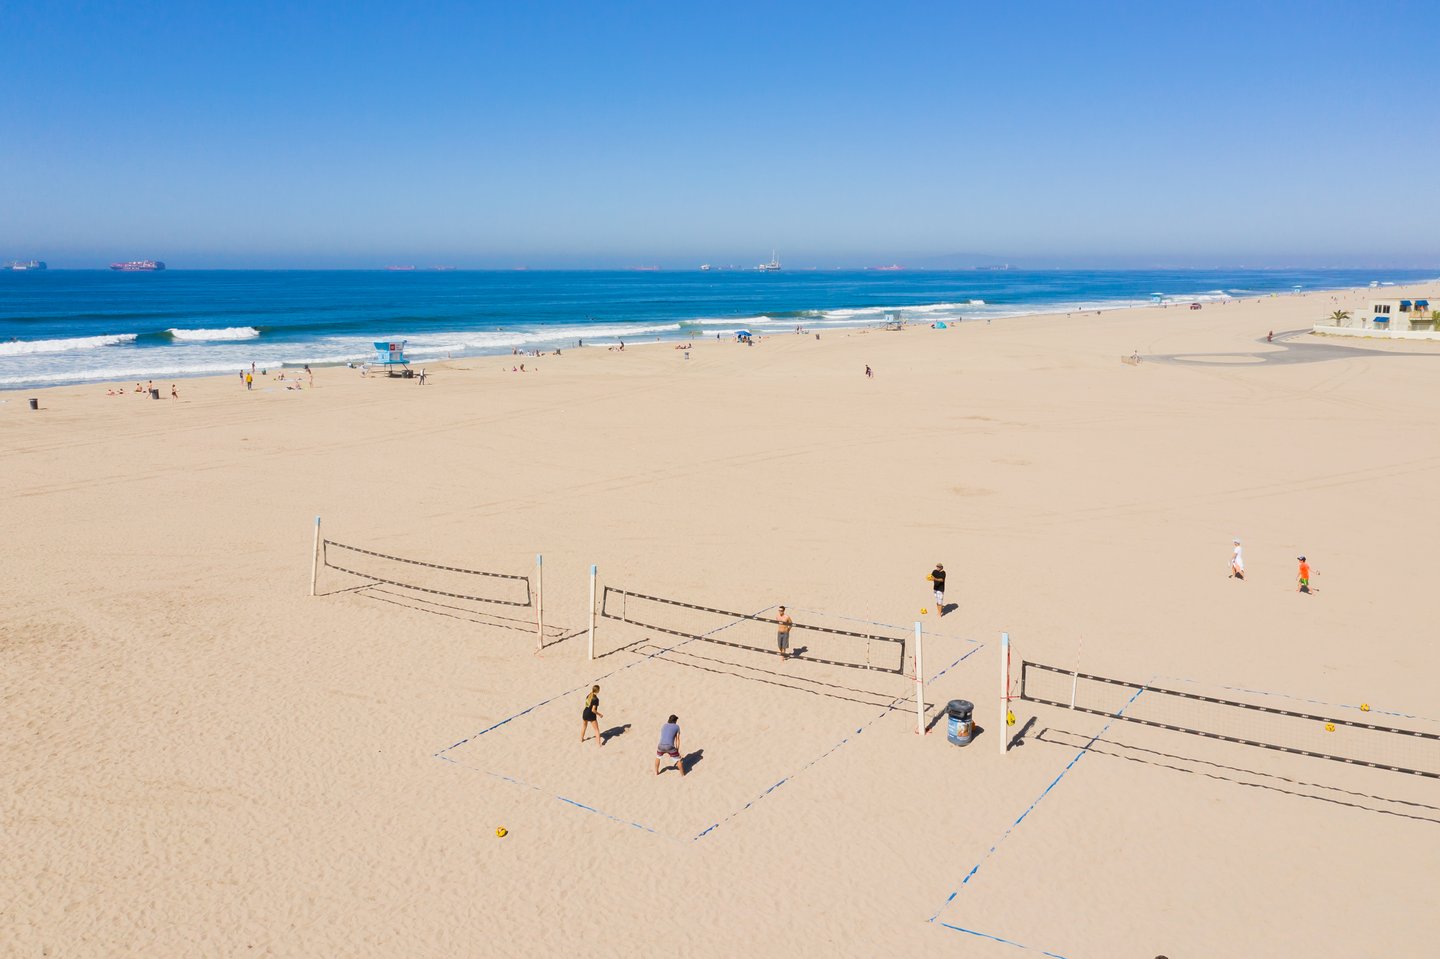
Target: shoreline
x=603, y=334
x=448, y=364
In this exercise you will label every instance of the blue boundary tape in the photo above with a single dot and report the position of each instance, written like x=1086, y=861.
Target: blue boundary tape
x=1028, y=810
x=660, y=652
x=1298, y=699
x=1008, y=942
x=883, y=713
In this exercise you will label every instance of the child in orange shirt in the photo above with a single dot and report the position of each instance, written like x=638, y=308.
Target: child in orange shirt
x=1302, y=582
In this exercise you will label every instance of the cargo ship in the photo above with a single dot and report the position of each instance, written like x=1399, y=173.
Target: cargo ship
x=772, y=267
x=20, y=266
x=138, y=266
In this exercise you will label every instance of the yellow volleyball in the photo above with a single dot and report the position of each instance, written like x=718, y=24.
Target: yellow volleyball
x=1364, y=707
x=502, y=832
x=1329, y=727
x=923, y=610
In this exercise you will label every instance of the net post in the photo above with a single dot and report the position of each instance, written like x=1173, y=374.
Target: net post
x=1075, y=673
x=1004, y=693
x=539, y=602
x=315, y=558
x=919, y=681
x=593, y=570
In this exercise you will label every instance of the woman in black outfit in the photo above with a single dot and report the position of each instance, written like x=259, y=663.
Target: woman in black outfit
x=591, y=716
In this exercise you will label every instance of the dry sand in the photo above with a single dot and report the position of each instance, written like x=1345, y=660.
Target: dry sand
x=201, y=759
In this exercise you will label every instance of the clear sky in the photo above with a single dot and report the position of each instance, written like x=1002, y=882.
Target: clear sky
x=609, y=134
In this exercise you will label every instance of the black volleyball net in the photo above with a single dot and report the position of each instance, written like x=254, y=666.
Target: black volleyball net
x=882, y=650
x=436, y=579
x=1344, y=736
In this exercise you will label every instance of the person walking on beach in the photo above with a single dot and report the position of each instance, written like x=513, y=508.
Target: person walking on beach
x=249, y=381
x=422, y=376
x=670, y=745
x=869, y=373
x=174, y=394
x=937, y=579
x=783, y=625
x=1237, y=563
x=591, y=716
x=1302, y=576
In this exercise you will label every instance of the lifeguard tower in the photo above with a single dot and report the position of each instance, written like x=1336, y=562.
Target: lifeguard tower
x=390, y=356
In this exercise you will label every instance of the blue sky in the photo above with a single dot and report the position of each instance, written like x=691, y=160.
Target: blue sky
x=614, y=134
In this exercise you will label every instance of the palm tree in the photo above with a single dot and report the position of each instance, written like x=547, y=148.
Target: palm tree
x=1340, y=316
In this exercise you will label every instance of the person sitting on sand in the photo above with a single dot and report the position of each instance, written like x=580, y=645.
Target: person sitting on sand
x=138, y=389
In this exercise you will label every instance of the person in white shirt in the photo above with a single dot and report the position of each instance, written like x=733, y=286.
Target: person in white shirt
x=1237, y=563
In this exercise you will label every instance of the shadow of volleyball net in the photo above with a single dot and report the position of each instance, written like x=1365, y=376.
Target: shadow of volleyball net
x=678, y=627
x=1337, y=736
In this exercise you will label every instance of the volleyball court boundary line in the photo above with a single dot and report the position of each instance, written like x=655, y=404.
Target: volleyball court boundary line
x=883, y=713
x=659, y=652
x=530, y=709
x=975, y=869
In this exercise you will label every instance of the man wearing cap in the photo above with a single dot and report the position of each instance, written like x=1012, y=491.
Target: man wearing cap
x=1302, y=578
x=1237, y=563
x=937, y=581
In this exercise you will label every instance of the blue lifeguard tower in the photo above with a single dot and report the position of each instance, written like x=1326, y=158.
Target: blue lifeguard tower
x=390, y=356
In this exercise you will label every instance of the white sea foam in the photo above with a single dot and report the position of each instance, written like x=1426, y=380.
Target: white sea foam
x=228, y=333
x=29, y=347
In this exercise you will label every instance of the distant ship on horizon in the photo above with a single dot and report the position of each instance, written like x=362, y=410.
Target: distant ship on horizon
x=138, y=266
x=704, y=267
x=772, y=267
x=21, y=266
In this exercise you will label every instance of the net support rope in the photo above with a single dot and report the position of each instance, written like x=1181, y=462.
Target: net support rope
x=325, y=549
x=1027, y=695
x=869, y=637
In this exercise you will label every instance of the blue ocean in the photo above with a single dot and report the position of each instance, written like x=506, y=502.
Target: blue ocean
x=74, y=326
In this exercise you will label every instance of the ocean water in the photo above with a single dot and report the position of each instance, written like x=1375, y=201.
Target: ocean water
x=73, y=326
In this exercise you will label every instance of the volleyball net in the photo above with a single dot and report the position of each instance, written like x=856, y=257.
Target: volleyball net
x=882, y=652
x=436, y=579
x=1335, y=737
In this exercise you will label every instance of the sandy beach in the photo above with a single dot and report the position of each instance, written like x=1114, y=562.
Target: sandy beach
x=204, y=760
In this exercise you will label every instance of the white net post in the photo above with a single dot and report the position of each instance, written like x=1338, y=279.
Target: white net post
x=1004, y=692
x=539, y=602
x=315, y=559
x=919, y=681
x=593, y=571
x=1075, y=674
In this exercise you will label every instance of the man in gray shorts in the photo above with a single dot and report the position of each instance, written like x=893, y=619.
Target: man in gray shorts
x=670, y=745
x=783, y=622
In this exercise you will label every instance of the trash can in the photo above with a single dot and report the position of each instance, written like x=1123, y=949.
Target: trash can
x=34, y=403
x=154, y=394
x=960, y=722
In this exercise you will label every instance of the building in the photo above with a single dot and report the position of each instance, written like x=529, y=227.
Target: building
x=1396, y=319
x=1399, y=316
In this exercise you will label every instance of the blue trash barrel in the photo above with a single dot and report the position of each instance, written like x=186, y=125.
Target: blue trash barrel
x=960, y=721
